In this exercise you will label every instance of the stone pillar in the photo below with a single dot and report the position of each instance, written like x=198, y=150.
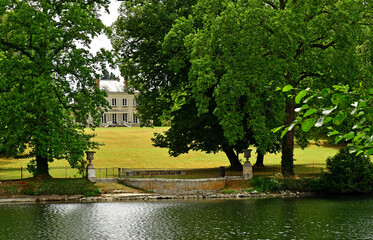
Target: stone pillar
x=91, y=172
x=247, y=170
x=247, y=167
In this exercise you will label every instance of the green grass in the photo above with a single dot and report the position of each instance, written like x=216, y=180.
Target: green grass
x=132, y=148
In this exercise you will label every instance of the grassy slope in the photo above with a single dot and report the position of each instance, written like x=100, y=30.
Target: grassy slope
x=132, y=148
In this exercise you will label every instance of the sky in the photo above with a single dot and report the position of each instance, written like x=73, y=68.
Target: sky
x=102, y=41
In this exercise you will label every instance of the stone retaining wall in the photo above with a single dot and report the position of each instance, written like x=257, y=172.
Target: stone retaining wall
x=177, y=186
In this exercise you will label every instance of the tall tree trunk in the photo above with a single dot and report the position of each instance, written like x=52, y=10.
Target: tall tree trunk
x=287, y=160
x=259, y=160
x=42, y=169
x=233, y=158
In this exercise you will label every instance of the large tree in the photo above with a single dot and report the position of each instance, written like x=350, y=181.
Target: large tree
x=152, y=55
x=47, y=79
x=251, y=44
x=225, y=58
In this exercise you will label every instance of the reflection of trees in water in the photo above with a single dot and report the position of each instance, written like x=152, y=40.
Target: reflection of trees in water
x=298, y=218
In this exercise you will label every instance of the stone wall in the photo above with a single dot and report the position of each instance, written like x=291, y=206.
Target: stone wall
x=177, y=186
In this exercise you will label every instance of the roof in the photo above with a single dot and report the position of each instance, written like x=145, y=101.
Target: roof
x=111, y=86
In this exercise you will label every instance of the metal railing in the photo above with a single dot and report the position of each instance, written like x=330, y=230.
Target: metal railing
x=23, y=173
x=312, y=169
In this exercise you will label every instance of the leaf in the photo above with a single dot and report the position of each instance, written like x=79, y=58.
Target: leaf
x=338, y=119
x=300, y=95
x=359, y=152
x=335, y=132
x=320, y=122
x=369, y=152
x=310, y=112
x=338, y=139
x=277, y=129
x=293, y=125
x=304, y=107
x=362, y=104
x=325, y=92
x=287, y=88
x=326, y=112
x=284, y=132
x=308, y=124
x=358, y=136
x=349, y=136
x=327, y=119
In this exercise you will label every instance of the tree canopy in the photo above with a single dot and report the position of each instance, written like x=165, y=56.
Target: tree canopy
x=47, y=79
x=221, y=61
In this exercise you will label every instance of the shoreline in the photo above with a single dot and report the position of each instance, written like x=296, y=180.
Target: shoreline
x=123, y=197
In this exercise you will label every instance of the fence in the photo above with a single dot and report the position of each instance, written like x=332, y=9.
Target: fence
x=302, y=170
x=23, y=173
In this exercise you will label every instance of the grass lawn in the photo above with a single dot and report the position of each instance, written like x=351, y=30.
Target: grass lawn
x=132, y=148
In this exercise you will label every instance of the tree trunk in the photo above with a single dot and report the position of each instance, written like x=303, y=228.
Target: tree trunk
x=287, y=160
x=233, y=159
x=42, y=169
x=259, y=160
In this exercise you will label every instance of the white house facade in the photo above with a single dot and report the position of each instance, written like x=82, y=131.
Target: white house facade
x=123, y=104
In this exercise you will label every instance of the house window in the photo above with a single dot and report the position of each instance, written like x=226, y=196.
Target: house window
x=114, y=118
x=134, y=119
x=114, y=102
x=125, y=118
x=124, y=103
x=103, y=118
x=134, y=102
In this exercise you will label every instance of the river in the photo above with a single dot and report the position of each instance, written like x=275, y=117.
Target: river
x=277, y=218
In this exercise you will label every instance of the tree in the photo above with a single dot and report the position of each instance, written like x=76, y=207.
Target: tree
x=107, y=75
x=293, y=43
x=47, y=80
x=153, y=57
x=229, y=56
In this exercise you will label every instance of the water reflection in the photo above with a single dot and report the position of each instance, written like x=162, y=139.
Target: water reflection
x=292, y=218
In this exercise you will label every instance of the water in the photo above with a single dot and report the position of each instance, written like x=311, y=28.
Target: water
x=291, y=218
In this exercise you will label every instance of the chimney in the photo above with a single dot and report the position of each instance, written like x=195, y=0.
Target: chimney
x=125, y=83
x=98, y=82
x=118, y=79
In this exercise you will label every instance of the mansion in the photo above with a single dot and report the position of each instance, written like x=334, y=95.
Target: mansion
x=123, y=104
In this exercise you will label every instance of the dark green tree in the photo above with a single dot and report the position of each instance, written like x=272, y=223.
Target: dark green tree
x=152, y=55
x=251, y=44
x=225, y=58
x=107, y=75
x=47, y=80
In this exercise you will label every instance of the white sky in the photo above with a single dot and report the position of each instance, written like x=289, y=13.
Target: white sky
x=102, y=41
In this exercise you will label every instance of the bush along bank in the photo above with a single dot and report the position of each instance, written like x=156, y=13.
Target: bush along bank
x=49, y=187
x=346, y=174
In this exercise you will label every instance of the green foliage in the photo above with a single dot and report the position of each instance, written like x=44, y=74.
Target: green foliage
x=347, y=173
x=265, y=184
x=51, y=186
x=298, y=185
x=47, y=80
x=348, y=106
x=226, y=58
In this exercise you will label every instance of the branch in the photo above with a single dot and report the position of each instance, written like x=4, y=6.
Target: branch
x=324, y=46
x=308, y=74
x=300, y=50
x=283, y=4
x=11, y=45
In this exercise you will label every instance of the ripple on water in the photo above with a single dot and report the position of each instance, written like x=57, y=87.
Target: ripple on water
x=315, y=218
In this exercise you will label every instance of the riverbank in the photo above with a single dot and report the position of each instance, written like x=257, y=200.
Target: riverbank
x=118, y=197
x=80, y=190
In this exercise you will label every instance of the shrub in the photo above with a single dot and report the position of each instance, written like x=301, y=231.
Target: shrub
x=265, y=184
x=298, y=185
x=347, y=173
